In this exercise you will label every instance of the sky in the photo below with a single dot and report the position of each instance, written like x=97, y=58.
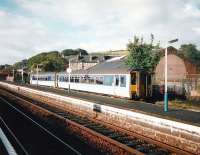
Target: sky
x=28, y=27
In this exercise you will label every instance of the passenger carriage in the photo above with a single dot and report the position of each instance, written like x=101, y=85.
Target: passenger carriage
x=111, y=78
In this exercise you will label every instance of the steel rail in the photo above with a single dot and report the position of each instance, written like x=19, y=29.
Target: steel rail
x=43, y=128
x=173, y=149
x=15, y=138
x=72, y=124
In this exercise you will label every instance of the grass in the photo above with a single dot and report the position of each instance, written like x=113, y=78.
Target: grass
x=183, y=104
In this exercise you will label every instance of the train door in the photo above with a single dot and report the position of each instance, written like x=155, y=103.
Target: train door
x=145, y=85
x=116, y=84
x=134, y=92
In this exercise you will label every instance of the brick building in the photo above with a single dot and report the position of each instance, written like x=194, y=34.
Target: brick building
x=183, y=76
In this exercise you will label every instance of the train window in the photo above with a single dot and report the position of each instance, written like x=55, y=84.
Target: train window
x=133, y=79
x=116, y=80
x=61, y=78
x=76, y=79
x=99, y=80
x=66, y=79
x=83, y=79
x=34, y=78
x=91, y=79
x=108, y=80
x=53, y=77
x=49, y=78
x=122, y=81
x=71, y=79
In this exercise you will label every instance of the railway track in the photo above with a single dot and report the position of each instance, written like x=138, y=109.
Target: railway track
x=28, y=137
x=9, y=142
x=126, y=141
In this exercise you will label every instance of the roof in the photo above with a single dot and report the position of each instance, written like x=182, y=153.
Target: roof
x=88, y=58
x=117, y=66
x=108, y=67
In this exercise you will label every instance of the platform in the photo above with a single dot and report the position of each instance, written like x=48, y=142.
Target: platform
x=139, y=117
x=181, y=115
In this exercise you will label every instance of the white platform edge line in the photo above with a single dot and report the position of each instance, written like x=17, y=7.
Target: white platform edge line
x=10, y=149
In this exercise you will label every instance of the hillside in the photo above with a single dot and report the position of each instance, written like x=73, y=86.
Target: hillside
x=49, y=61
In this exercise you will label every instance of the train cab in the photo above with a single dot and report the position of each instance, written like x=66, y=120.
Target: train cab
x=140, y=84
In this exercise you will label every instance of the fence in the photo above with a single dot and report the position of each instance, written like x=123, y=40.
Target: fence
x=188, y=87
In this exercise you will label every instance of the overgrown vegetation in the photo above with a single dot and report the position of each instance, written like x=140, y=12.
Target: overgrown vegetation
x=50, y=61
x=68, y=52
x=54, y=60
x=190, y=52
x=144, y=56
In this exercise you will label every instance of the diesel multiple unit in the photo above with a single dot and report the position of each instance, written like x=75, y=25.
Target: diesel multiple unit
x=111, y=78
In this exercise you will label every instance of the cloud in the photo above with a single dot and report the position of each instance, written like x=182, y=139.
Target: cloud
x=197, y=30
x=191, y=11
x=42, y=25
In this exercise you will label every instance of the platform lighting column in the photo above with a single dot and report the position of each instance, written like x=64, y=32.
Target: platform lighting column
x=22, y=72
x=166, y=83
x=13, y=74
x=69, y=70
x=37, y=75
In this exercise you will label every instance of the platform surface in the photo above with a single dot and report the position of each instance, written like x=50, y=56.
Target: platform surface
x=181, y=115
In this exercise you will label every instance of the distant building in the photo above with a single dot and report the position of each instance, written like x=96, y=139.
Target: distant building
x=180, y=72
x=3, y=74
x=86, y=61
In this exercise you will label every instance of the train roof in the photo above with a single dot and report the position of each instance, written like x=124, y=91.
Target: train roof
x=115, y=66
x=108, y=67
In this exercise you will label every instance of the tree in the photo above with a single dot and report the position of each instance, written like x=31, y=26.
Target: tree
x=142, y=55
x=190, y=52
x=20, y=64
x=68, y=52
x=51, y=61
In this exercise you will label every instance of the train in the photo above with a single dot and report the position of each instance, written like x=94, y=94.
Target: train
x=112, y=78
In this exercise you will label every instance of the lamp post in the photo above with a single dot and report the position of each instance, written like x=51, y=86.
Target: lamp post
x=22, y=75
x=166, y=84
x=13, y=74
x=69, y=70
x=37, y=75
